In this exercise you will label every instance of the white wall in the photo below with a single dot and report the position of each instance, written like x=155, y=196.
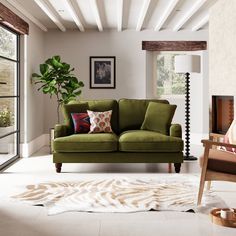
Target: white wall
x=133, y=67
x=222, y=49
x=35, y=100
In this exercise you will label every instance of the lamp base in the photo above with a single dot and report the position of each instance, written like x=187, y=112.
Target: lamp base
x=190, y=158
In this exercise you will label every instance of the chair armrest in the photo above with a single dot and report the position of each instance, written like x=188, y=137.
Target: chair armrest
x=176, y=130
x=210, y=143
x=60, y=130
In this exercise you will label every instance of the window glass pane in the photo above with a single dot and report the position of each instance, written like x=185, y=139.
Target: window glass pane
x=8, y=44
x=8, y=148
x=8, y=77
x=8, y=115
x=168, y=82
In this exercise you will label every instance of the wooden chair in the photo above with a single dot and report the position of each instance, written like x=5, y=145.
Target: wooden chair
x=216, y=165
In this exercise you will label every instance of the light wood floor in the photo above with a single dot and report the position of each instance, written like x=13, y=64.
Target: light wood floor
x=18, y=219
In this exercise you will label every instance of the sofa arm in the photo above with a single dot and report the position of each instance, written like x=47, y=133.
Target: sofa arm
x=176, y=130
x=60, y=130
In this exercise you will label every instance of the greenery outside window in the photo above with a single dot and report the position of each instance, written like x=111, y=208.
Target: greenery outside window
x=167, y=82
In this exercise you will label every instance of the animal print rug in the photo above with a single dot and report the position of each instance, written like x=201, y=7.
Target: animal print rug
x=119, y=195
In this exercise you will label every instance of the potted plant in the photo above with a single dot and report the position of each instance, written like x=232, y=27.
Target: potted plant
x=6, y=126
x=56, y=79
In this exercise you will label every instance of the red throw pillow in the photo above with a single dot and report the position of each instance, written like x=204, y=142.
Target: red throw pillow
x=81, y=122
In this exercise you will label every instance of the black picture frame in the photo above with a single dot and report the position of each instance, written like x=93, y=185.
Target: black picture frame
x=102, y=72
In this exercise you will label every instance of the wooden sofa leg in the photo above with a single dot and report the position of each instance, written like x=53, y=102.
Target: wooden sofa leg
x=177, y=167
x=58, y=167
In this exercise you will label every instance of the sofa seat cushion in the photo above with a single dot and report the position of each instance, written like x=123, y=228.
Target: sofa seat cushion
x=101, y=142
x=221, y=161
x=149, y=141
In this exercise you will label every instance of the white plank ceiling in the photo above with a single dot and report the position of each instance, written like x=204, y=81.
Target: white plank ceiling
x=82, y=15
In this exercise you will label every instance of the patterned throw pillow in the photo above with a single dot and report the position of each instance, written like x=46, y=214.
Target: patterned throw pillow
x=100, y=121
x=81, y=122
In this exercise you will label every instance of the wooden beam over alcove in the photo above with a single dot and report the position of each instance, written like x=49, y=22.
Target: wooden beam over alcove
x=174, y=45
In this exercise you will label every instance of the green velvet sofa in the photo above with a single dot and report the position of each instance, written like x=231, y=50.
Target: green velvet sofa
x=128, y=144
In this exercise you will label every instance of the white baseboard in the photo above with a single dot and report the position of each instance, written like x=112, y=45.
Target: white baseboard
x=27, y=149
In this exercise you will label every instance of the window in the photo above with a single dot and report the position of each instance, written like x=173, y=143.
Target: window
x=9, y=96
x=167, y=82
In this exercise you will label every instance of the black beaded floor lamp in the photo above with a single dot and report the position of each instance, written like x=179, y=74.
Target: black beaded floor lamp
x=187, y=64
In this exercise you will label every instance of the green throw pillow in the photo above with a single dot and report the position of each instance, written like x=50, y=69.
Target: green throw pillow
x=67, y=109
x=158, y=117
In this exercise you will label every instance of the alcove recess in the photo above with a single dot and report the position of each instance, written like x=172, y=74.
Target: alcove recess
x=222, y=113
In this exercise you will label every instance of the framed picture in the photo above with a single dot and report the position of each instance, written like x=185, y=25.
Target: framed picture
x=102, y=72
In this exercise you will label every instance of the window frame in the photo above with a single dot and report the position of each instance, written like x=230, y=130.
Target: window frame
x=16, y=96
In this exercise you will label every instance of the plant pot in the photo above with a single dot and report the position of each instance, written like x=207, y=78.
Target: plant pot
x=7, y=143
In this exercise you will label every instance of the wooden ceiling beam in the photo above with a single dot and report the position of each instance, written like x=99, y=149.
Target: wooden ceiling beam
x=120, y=4
x=94, y=6
x=201, y=23
x=172, y=4
x=143, y=14
x=70, y=8
x=174, y=45
x=195, y=7
x=45, y=8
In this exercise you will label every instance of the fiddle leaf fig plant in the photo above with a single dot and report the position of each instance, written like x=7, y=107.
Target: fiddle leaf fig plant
x=56, y=79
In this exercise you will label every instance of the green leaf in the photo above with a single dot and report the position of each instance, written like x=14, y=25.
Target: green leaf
x=58, y=58
x=35, y=75
x=49, y=61
x=46, y=89
x=53, y=83
x=43, y=68
x=78, y=93
x=81, y=84
x=56, y=63
x=64, y=96
x=66, y=66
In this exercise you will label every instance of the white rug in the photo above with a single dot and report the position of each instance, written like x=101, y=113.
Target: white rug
x=175, y=192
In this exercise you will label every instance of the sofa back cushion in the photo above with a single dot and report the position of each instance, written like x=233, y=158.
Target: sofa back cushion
x=132, y=112
x=93, y=105
x=158, y=117
x=106, y=105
